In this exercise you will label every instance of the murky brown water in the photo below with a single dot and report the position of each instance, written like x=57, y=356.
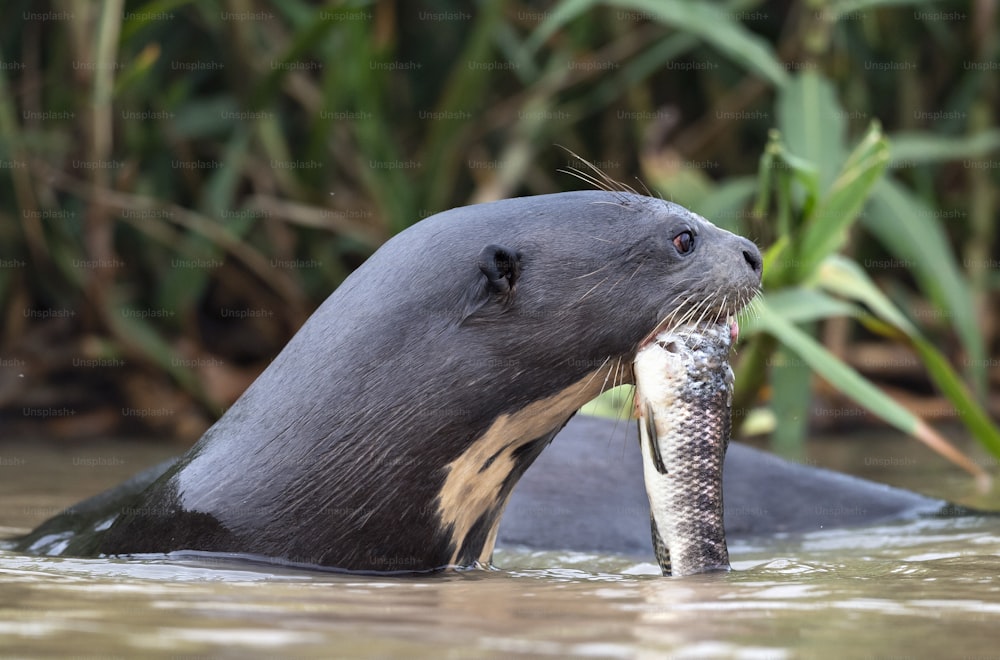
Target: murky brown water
x=928, y=588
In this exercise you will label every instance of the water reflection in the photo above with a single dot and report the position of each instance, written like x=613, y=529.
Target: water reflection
x=855, y=590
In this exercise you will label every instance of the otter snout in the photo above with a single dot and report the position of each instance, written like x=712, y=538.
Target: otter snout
x=739, y=262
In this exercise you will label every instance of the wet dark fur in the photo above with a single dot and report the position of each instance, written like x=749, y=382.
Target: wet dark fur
x=336, y=455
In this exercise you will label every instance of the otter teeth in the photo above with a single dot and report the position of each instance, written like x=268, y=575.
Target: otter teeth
x=734, y=328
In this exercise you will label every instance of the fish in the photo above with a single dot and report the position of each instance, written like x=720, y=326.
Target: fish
x=683, y=399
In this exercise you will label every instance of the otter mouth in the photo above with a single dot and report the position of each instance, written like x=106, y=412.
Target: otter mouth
x=714, y=324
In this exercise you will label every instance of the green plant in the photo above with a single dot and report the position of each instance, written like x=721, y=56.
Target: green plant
x=396, y=117
x=816, y=205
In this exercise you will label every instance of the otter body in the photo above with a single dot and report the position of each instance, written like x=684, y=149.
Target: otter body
x=585, y=494
x=390, y=431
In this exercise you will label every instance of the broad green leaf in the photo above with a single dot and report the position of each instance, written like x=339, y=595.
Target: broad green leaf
x=799, y=305
x=707, y=21
x=765, y=173
x=791, y=394
x=778, y=168
x=850, y=383
x=916, y=148
x=910, y=230
x=775, y=262
x=803, y=171
x=844, y=277
x=969, y=411
x=827, y=228
x=835, y=371
x=972, y=415
x=811, y=123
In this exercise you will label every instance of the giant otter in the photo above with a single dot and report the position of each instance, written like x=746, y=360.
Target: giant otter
x=391, y=430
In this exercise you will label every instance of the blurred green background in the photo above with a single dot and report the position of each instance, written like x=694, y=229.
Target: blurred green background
x=183, y=182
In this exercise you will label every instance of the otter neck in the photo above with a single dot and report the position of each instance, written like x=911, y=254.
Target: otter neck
x=479, y=482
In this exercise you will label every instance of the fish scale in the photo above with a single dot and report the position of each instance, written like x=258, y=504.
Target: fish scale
x=684, y=389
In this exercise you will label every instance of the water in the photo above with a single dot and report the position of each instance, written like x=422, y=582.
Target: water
x=926, y=588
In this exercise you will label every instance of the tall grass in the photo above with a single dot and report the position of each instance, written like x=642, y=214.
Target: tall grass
x=167, y=161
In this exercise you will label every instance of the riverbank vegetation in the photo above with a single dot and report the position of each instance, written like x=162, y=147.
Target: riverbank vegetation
x=184, y=182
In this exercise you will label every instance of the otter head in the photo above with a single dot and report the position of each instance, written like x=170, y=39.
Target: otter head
x=588, y=278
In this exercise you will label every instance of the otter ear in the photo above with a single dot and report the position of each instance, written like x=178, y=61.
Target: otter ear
x=493, y=293
x=502, y=267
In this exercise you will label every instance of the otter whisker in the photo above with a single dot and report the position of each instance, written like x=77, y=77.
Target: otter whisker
x=638, y=267
x=593, y=272
x=617, y=282
x=611, y=185
x=599, y=179
x=596, y=372
x=587, y=178
x=649, y=193
x=593, y=288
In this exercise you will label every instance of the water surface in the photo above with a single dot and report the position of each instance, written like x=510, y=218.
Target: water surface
x=924, y=588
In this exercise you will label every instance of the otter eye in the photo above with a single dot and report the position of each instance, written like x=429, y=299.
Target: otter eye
x=684, y=242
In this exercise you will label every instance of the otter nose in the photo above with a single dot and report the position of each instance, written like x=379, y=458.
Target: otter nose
x=752, y=256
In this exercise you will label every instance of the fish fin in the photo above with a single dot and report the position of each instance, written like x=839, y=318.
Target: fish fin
x=659, y=547
x=654, y=444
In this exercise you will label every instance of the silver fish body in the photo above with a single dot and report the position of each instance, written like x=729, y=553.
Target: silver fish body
x=684, y=389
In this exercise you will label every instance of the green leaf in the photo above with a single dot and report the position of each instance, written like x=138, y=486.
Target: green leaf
x=803, y=172
x=137, y=69
x=778, y=169
x=707, y=21
x=219, y=188
x=800, y=305
x=911, y=232
x=765, y=173
x=791, y=393
x=833, y=370
x=850, y=383
x=846, y=278
x=812, y=124
x=778, y=263
x=970, y=412
x=915, y=148
x=827, y=227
